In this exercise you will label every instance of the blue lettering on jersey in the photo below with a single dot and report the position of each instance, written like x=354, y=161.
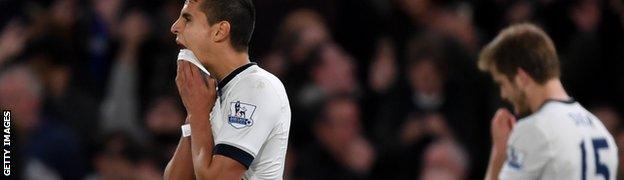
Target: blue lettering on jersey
x=240, y=114
x=581, y=119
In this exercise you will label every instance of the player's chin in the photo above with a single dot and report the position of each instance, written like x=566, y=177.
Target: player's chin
x=521, y=109
x=181, y=46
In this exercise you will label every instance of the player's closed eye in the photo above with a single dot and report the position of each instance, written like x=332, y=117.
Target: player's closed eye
x=186, y=17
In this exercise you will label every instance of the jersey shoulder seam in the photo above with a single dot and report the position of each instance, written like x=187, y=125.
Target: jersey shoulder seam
x=248, y=76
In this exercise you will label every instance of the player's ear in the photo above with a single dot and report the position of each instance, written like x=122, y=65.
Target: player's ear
x=522, y=77
x=222, y=31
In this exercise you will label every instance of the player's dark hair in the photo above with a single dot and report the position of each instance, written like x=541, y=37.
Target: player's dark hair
x=241, y=15
x=523, y=46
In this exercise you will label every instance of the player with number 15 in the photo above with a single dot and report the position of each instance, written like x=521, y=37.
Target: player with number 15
x=556, y=138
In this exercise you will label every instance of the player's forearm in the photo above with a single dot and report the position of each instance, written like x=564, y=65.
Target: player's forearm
x=497, y=159
x=180, y=166
x=201, y=145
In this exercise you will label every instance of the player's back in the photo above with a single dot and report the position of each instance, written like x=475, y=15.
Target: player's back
x=562, y=140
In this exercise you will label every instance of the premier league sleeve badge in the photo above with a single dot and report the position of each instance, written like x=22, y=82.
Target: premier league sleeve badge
x=241, y=114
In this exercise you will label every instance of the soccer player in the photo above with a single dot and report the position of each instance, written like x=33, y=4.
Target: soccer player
x=556, y=138
x=239, y=124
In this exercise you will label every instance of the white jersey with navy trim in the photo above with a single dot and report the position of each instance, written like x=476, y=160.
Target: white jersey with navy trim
x=562, y=140
x=251, y=121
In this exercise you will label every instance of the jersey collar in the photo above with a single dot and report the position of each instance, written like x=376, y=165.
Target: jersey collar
x=547, y=101
x=233, y=74
x=568, y=101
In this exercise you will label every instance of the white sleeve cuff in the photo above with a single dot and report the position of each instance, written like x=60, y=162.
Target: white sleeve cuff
x=186, y=130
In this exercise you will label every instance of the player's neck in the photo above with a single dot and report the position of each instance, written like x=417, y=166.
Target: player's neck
x=551, y=90
x=225, y=63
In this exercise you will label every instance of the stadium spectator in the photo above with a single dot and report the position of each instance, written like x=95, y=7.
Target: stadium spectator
x=45, y=145
x=342, y=152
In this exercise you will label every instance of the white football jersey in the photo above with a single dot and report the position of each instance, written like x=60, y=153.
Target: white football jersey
x=251, y=121
x=562, y=140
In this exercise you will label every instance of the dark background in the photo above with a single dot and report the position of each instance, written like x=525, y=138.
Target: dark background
x=379, y=89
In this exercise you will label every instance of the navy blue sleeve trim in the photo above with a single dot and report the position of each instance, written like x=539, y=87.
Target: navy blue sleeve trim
x=235, y=153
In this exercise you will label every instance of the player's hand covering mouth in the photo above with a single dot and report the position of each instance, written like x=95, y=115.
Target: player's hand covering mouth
x=187, y=55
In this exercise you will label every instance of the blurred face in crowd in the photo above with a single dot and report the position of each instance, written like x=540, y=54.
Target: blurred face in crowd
x=342, y=123
x=310, y=30
x=336, y=72
x=416, y=9
x=192, y=29
x=57, y=80
x=425, y=77
x=114, y=167
x=64, y=12
x=444, y=160
x=586, y=15
x=511, y=92
x=111, y=162
x=20, y=91
x=107, y=9
x=164, y=117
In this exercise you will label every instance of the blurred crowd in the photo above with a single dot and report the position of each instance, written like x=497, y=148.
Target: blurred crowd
x=379, y=89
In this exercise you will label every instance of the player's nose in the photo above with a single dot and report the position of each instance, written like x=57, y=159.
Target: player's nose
x=175, y=29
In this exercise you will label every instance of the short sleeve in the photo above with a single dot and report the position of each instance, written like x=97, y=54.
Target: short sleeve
x=252, y=111
x=528, y=153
